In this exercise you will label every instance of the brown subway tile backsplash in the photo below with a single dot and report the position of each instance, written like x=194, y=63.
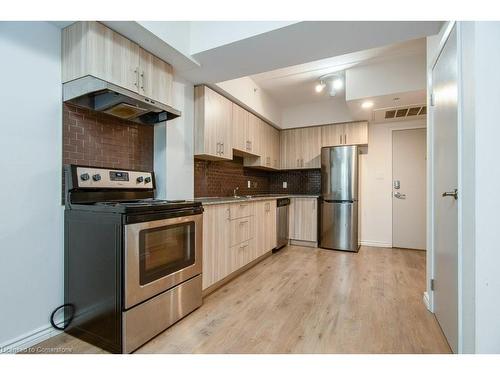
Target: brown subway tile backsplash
x=219, y=178
x=101, y=140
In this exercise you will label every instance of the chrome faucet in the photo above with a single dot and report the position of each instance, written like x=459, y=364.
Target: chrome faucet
x=235, y=192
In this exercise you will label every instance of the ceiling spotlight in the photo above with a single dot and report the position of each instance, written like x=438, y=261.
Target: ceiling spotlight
x=367, y=104
x=320, y=86
x=337, y=84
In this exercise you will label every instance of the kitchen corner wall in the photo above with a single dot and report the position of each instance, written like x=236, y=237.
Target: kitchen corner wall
x=174, y=146
x=220, y=178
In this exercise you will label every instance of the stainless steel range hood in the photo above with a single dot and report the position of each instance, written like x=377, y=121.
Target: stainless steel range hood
x=102, y=96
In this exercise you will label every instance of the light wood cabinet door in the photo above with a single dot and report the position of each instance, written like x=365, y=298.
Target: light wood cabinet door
x=213, y=125
x=332, y=135
x=304, y=219
x=350, y=133
x=90, y=48
x=290, y=149
x=311, y=147
x=240, y=128
x=275, y=148
x=254, y=133
x=265, y=218
x=267, y=140
x=155, y=78
x=356, y=133
x=301, y=148
x=270, y=219
x=216, y=256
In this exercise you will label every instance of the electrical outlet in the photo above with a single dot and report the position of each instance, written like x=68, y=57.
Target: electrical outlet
x=285, y=185
x=249, y=184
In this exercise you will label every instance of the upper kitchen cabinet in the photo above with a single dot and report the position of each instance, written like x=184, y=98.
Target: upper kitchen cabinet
x=300, y=148
x=267, y=140
x=243, y=131
x=351, y=133
x=213, y=125
x=90, y=48
x=155, y=78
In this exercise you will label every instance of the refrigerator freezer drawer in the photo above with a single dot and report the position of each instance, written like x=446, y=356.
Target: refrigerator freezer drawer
x=339, y=226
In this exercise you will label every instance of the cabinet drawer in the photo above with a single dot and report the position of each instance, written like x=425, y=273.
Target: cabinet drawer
x=239, y=210
x=241, y=230
x=242, y=254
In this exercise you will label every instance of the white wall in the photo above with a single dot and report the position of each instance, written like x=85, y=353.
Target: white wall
x=403, y=74
x=317, y=113
x=487, y=172
x=376, y=183
x=246, y=92
x=173, y=159
x=31, y=224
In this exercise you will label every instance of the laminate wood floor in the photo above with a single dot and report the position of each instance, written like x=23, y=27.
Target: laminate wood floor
x=304, y=300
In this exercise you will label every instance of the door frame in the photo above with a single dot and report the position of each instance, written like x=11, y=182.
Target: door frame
x=465, y=186
x=425, y=126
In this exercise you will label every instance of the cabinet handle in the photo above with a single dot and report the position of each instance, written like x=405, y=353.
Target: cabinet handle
x=243, y=246
x=228, y=214
x=223, y=148
x=217, y=150
x=340, y=139
x=345, y=139
x=136, y=71
x=142, y=85
x=250, y=142
x=243, y=222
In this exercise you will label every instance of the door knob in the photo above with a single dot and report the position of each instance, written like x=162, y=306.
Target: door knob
x=453, y=194
x=399, y=195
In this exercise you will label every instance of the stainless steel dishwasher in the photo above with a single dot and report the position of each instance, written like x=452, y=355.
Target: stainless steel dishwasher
x=282, y=236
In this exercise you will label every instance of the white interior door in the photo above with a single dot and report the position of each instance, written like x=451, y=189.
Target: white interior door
x=445, y=122
x=408, y=188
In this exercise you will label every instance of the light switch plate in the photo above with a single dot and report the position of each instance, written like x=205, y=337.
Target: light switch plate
x=285, y=185
x=248, y=184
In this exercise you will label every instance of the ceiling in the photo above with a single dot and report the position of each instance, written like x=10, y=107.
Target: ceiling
x=294, y=85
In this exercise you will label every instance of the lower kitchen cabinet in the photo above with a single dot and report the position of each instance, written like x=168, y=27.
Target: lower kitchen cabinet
x=216, y=240
x=304, y=220
x=234, y=235
x=266, y=226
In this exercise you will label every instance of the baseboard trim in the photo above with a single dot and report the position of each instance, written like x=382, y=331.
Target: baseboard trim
x=304, y=243
x=427, y=301
x=375, y=244
x=23, y=342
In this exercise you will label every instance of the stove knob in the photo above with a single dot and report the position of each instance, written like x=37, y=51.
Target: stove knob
x=84, y=176
x=96, y=177
x=140, y=179
x=147, y=180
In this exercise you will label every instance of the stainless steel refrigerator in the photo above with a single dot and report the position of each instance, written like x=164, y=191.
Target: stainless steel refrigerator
x=338, y=227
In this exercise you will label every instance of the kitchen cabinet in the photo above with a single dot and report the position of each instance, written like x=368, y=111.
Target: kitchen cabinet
x=243, y=131
x=303, y=216
x=90, y=48
x=266, y=226
x=351, y=133
x=155, y=78
x=266, y=145
x=300, y=148
x=234, y=235
x=213, y=125
x=216, y=238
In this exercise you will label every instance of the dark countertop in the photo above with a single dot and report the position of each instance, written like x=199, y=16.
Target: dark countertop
x=250, y=198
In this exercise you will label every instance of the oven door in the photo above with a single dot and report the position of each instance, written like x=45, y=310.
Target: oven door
x=159, y=255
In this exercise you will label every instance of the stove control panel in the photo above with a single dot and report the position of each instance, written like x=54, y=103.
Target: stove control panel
x=100, y=178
